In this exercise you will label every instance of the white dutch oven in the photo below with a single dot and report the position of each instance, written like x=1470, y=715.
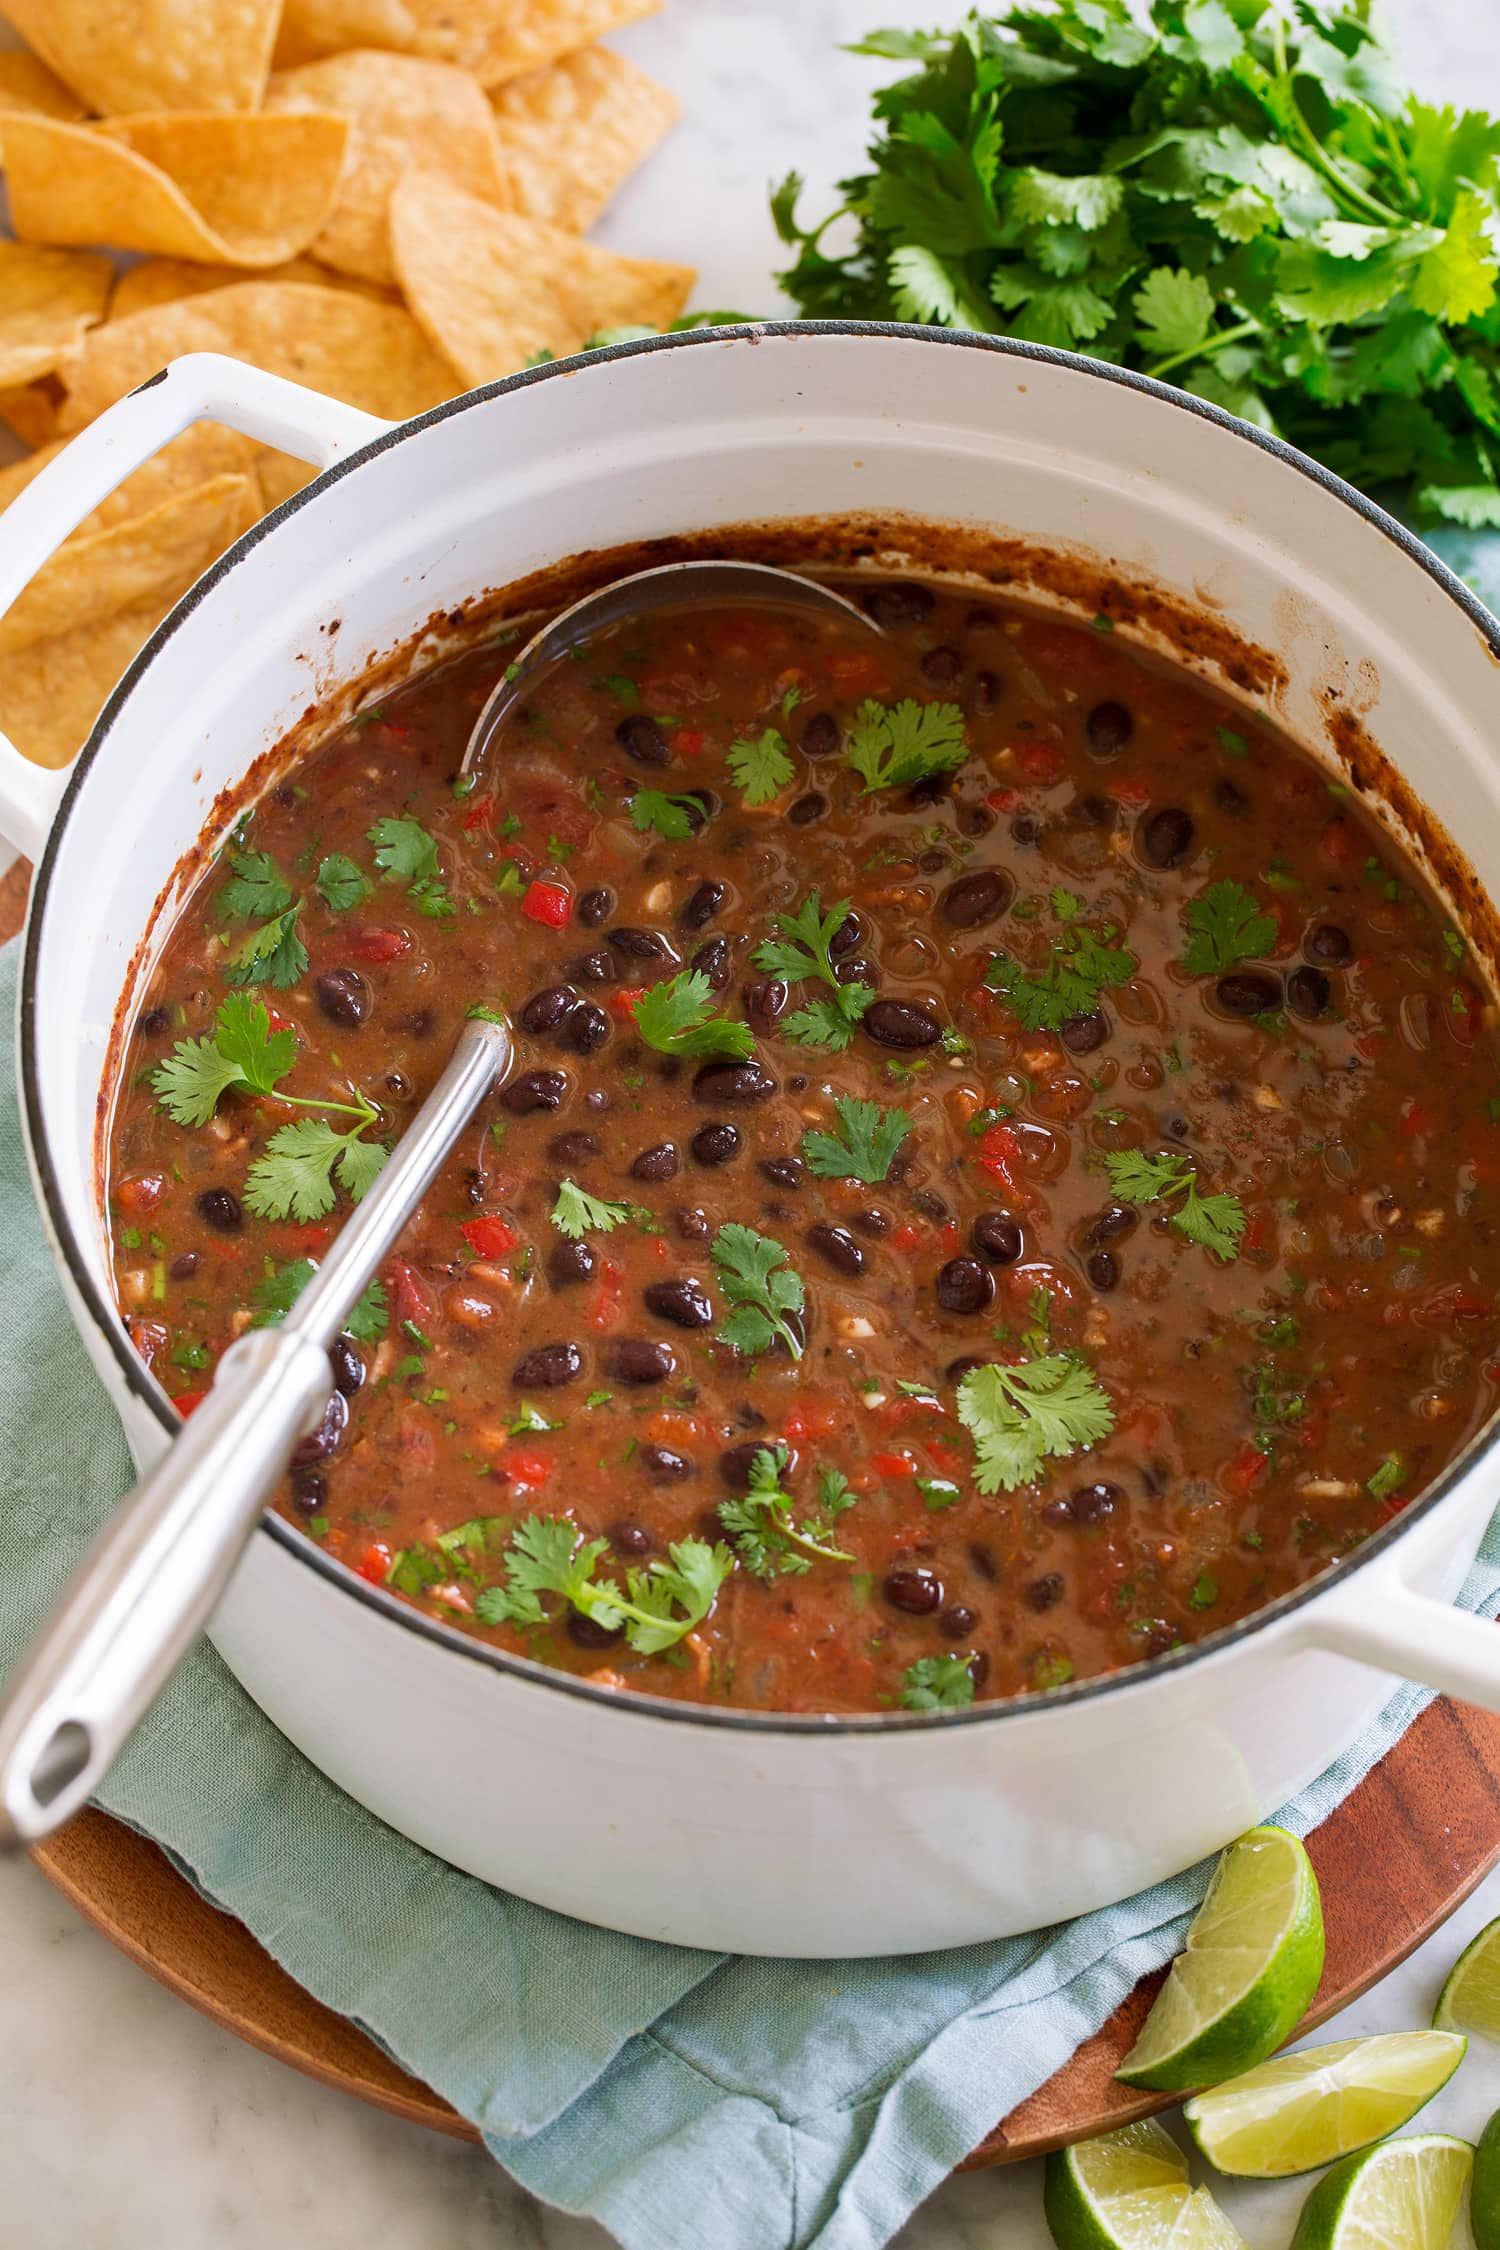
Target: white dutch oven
x=736, y=1830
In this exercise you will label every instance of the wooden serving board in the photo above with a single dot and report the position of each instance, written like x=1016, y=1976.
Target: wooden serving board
x=1393, y=1861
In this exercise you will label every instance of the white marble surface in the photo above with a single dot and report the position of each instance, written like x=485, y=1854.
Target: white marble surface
x=126, y=2121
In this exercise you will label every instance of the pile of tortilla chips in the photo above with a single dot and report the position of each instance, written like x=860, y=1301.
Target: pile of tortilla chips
x=383, y=199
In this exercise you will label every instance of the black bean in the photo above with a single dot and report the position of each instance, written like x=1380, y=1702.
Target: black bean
x=942, y=667
x=659, y=1163
x=899, y=1023
x=153, y=1023
x=929, y=1206
x=590, y=1632
x=663, y=1464
x=804, y=810
x=714, y=961
x=838, y=1247
x=914, y=1588
x=958, y=1621
x=784, y=1171
x=899, y=602
x=1248, y=992
x=957, y=1369
x=598, y=1099
x=594, y=968
x=1113, y=1223
x=1095, y=810
x=691, y=1223
x=221, y=1208
x=397, y=1084
x=765, y=1001
x=685, y=1303
x=703, y=905
x=1103, y=1270
x=870, y=1219
x=586, y=1029
x=183, y=1266
x=535, y=1089
x=595, y=906
x=698, y=807
x=965, y=1286
x=976, y=898
x=1091, y=1503
x=549, y=1365
x=975, y=820
x=733, y=1082
x=996, y=1236
x=572, y=1148
x=988, y=689
x=309, y=1491
x=630, y=1538
x=570, y=1262
x=850, y=933
x=1025, y=828
x=1230, y=797
x=930, y=790
x=821, y=736
x=715, y=1144
x=1081, y=1034
x=1166, y=838
x=636, y=1360
x=328, y=1435
x=639, y=945
x=1109, y=726
x=1328, y=943
x=343, y=995
x=855, y=969
x=421, y=1023
x=642, y=739
x=1307, y=993
x=1044, y=1593
x=547, y=1009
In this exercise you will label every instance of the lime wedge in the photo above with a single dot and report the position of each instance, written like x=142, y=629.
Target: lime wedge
x=1404, y=2193
x=1470, y=2000
x=1129, y=2190
x=1254, y=1956
x=1303, y=2110
x=1484, y=2196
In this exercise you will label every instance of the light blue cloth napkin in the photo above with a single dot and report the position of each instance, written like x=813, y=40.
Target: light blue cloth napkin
x=689, y=2101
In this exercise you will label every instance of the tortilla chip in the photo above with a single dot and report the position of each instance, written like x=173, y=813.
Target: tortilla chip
x=496, y=39
x=402, y=111
x=28, y=85
x=47, y=299
x=494, y=291
x=206, y=451
x=52, y=690
x=235, y=191
x=570, y=136
x=160, y=281
x=97, y=574
x=154, y=54
x=32, y=411
x=335, y=340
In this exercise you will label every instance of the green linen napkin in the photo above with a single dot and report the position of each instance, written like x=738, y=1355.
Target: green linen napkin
x=688, y=2101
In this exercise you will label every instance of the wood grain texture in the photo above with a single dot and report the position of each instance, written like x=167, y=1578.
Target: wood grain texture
x=1393, y=1861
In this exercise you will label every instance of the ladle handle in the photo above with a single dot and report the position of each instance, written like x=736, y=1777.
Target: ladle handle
x=147, y=1584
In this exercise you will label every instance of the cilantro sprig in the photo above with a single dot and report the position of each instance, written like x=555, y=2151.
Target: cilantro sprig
x=865, y=1145
x=938, y=1683
x=669, y=815
x=275, y=1295
x=1079, y=965
x=657, y=1605
x=764, y=1531
x=577, y=1213
x=1226, y=926
x=1020, y=1417
x=766, y=1292
x=273, y=951
x=1244, y=198
x=762, y=767
x=1214, y=1222
x=340, y=883
x=407, y=854
x=802, y=954
x=891, y=745
x=677, y=1018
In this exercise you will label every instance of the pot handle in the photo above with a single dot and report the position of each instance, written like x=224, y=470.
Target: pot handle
x=1383, y=1622
x=203, y=387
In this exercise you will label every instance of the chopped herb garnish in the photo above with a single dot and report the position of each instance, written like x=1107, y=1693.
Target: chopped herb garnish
x=868, y=1139
x=1388, y=1478
x=340, y=884
x=243, y=1052
x=938, y=1492
x=938, y=1683
x=1227, y=926
x=407, y=854
x=892, y=745
x=762, y=1528
x=1020, y=1417
x=766, y=1293
x=275, y=1296
x=295, y=1177
x=576, y=1212
x=1205, y=1591
x=677, y=1018
x=1215, y=1222
x=803, y=953
x=656, y=1606
x=762, y=768
x=1081, y=964
x=669, y=816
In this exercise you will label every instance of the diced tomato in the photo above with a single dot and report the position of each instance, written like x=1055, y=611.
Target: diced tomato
x=375, y=944
x=489, y=1237
x=949, y=1233
x=188, y=1402
x=891, y=1465
x=141, y=1191
x=388, y=734
x=855, y=671
x=690, y=741
x=524, y=1466
x=606, y=1309
x=1258, y=1235
x=621, y=1003
x=1003, y=800
x=1417, y=1118
x=908, y=1237
x=479, y=814
x=276, y=1019
x=549, y=904
x=1000, y=1156
x=1038, y=761
x=410, y=1297
x=816, y=1416
x=375, y=1562
x=1132, y=793
x=1241, y=1475
x=312, y=1239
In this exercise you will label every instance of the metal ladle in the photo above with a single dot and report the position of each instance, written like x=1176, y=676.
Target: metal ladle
x=151, y=1578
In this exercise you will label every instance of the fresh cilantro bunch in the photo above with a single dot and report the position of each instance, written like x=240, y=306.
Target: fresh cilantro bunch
x=803, y=954
x=769, y=1540
x=1215, y=1222
x=1019, y=1417
x=864, y=1146
x=1239, y=196
x=656, y=1606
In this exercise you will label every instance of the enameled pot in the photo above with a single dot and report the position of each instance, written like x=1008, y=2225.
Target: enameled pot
x=742, y=1830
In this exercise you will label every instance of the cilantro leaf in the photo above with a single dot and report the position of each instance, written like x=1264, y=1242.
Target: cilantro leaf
x=340, y=884
x=656, y=1606
x=677, y=1018
x=271, y=954
x=1020, y=1417
x=1174, y=310
x=1227, y=926
x=827, y=1023
x=294, y=1178
x=870, y=1137
x=257, y=890
x=1080, y=964
x=768, y=1539
x=765, y=1291
x=244, y=1051
x=1214, y=1222
x=670, y=816
x=803, y=952
x=407, y=854
x=761, y=768
x=576, y=1211
x=891, y=745
x=938, y=1683
x=274, y=1297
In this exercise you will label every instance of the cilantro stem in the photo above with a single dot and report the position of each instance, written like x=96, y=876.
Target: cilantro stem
x=364, y=1111
x=1313, y=149
x=1211, y=344
x=806, y=1546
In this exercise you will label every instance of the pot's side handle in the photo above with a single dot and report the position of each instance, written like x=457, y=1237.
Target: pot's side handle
x=1382, y=1622
x=203, y=387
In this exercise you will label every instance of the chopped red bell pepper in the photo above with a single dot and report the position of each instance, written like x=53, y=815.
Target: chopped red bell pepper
x=690, y=741
x=523, y=1466
x=489, y=1237
x=188, y=1402
x=549, y=904
x=374, y=1564
x=375, y=945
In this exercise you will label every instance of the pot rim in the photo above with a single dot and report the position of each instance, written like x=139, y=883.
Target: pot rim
x=142, y=1385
